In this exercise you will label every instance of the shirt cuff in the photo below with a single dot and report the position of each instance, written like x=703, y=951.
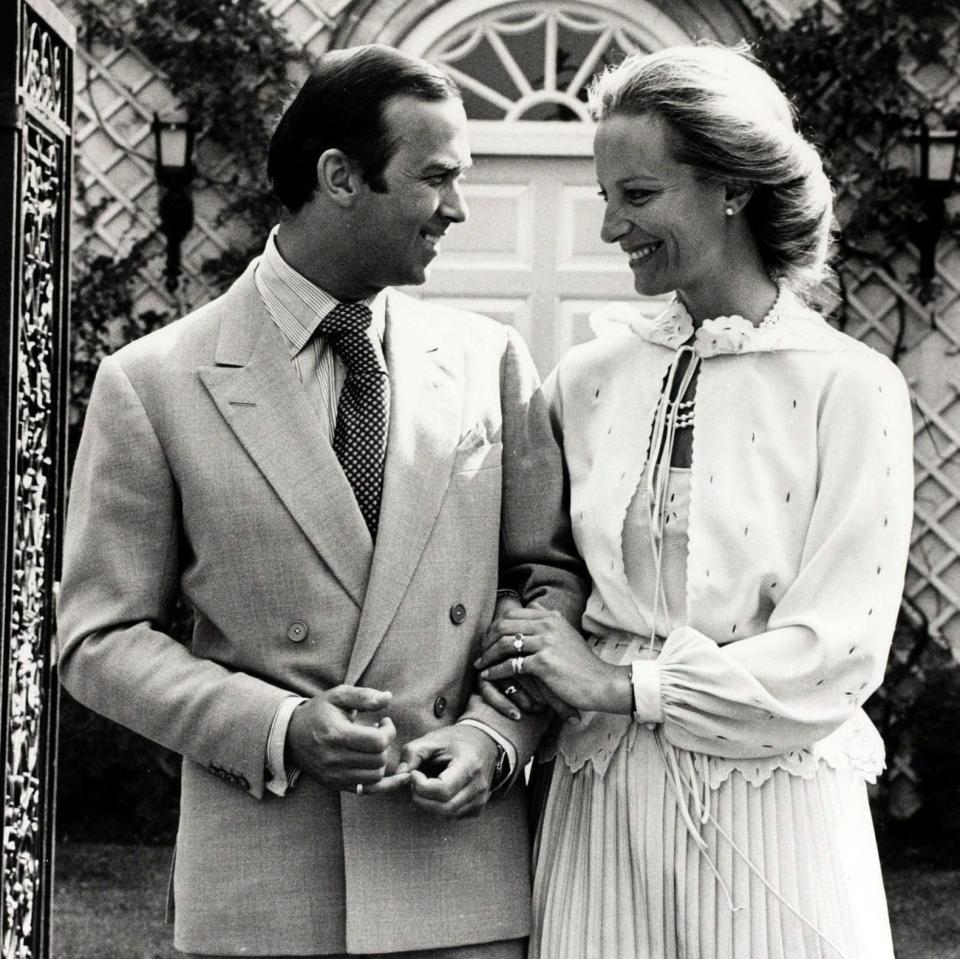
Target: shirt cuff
x=281, y=778
x=502, y=741
x=647, y=700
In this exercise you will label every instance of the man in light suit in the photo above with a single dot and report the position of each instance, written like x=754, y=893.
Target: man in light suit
x=337, y=478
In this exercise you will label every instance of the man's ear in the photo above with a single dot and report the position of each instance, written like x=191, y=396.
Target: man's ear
x=338, y=177
x=736, y=196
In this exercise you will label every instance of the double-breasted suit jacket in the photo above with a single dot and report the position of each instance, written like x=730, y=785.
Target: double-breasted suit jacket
x=201, y=473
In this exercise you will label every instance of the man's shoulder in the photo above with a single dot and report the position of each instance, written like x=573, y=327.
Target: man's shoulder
x=189, y=341
x=453, y=321
x=180, y=335
x=614, y=353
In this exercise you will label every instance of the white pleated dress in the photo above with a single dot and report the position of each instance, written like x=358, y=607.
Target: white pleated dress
x=649, y=850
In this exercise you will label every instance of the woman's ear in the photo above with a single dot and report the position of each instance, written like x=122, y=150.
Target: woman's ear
x=735, y=197
x=338, y=177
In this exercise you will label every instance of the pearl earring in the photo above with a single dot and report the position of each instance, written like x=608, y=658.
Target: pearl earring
x=729, y=211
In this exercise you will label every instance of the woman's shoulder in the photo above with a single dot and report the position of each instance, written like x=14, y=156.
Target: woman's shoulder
x=852, y=362
x=803, y=336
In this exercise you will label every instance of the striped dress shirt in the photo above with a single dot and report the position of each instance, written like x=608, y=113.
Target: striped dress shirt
x=297, y=306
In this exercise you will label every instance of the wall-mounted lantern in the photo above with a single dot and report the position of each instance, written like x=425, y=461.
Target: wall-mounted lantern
x=934, y=168
x=173, y=143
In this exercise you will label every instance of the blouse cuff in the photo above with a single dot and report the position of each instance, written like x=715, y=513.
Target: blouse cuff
x=647, y=702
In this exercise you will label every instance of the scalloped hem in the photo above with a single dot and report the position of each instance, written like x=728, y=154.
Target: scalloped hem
x=855, y=746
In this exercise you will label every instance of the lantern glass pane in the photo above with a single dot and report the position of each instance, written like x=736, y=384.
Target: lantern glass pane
x=943, y=150
x=173, y=147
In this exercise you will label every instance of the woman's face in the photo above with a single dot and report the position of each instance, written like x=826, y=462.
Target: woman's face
x=670, y=224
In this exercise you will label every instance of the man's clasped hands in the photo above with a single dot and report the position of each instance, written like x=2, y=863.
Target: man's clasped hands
x=345, y=738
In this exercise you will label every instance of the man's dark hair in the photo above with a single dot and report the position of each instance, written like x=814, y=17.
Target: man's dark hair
x=342, y=106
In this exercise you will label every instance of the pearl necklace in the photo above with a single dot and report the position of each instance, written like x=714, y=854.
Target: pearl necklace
x=680, y=413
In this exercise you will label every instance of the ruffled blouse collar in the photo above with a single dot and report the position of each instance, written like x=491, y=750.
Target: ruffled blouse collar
x=789, y=325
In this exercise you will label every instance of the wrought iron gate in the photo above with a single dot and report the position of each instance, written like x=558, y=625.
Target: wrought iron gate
x=36, y=114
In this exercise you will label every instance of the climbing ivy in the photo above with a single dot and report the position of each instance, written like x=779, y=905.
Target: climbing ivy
x=846, y=71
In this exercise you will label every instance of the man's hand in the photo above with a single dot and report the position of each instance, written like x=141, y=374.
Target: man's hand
x=451, y=770
x=329, y=741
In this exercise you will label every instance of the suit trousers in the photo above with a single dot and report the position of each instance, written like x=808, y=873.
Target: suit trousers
x=505, y=949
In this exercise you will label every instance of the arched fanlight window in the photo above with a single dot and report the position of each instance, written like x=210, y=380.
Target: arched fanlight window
x=534, y=61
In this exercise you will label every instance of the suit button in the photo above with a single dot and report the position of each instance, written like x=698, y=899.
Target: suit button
x=440, y=706
x=297, y=632
x=458, y=613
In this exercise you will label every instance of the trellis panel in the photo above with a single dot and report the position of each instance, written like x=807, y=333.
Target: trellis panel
x=884, y=309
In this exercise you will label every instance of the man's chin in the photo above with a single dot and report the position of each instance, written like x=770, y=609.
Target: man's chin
x=414, y=278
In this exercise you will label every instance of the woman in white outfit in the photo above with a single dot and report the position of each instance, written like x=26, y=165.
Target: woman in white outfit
x=741, y=489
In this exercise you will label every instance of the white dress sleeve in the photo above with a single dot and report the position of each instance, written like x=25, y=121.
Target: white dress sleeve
x=828, y=636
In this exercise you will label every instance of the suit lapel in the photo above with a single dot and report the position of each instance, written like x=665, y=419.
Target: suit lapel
x=256, y=389
x=426, y=400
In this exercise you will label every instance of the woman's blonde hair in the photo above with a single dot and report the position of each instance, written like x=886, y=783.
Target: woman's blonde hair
x=729, y=120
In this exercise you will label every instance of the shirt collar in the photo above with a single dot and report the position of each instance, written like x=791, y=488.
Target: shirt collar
x=304, y=303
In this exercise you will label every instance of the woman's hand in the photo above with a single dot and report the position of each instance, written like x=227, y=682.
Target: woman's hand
x=517, y=695
x=540, y=644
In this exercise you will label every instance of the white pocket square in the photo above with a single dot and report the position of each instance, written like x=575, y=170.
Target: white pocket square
x=474, y=438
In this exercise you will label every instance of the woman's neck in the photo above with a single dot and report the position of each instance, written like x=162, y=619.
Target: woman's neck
x=749, y=296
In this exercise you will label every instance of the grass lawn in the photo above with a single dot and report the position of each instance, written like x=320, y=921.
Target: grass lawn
x=109, y=901
x=924, y=912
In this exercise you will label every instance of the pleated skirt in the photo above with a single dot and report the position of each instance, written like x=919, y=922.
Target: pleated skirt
x=619, y=874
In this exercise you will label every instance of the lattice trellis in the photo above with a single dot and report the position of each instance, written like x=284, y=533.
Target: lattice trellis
x=884, y=312
x=933, y=579
x=118, y=92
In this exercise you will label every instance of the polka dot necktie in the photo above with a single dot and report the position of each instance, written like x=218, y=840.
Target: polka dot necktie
x=360, y=436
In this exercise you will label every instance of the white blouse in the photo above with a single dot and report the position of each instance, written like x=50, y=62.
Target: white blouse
x=800, y=509
x=640, y=559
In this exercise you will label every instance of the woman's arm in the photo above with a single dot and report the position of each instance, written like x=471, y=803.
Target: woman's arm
x=828, y=637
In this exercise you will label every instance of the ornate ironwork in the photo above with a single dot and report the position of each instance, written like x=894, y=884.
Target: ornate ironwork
x=33, y=481
x=36, y=91
x=44, y=67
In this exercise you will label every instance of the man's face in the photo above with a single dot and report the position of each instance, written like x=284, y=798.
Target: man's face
x=397, y=233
